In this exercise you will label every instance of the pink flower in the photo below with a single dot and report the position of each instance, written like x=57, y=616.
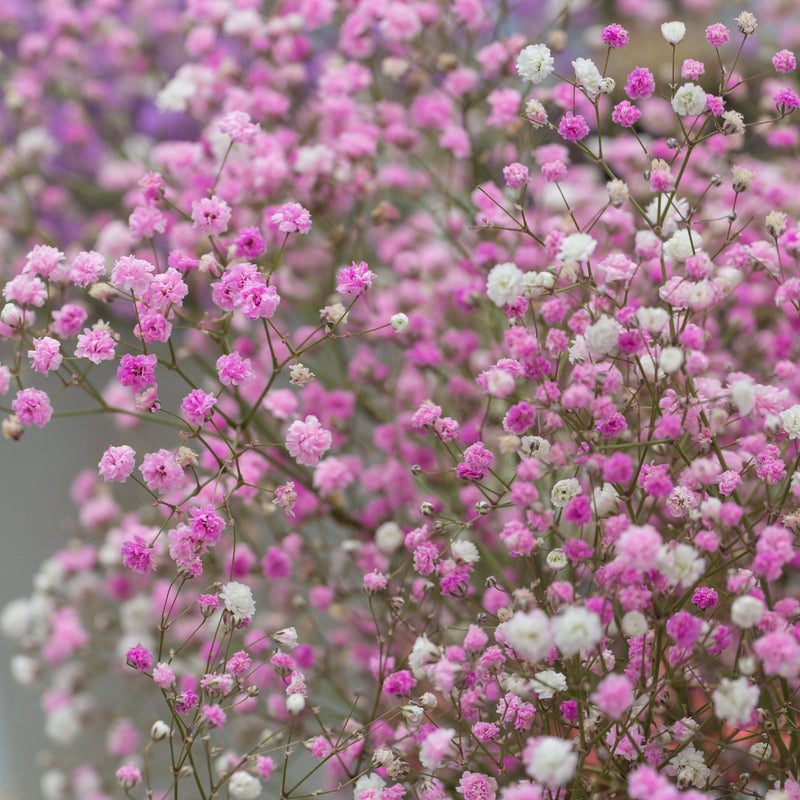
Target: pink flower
x=32, y=407
x=214, y=715
x=234, y=370
x=128, y=776
x=163, y=675
x=477, y=460
x=211, y=215
x=516, y=175
x=196, y=407
x=250, y=243
x=784, y=61
x=139, y=658
x=137, y=555
x=46, y=355
x=614, y=695
x=96, y=344
x=238, y=126
x=292, y=218
x=779, y=654
x=573, y=127
x=355, y=279
x=167, y=289
x=717, y=34
x=614, y=35
x=136, y=371
x=786, y=100
x=641, y=83
x=132, y=274
x=477, y=786
x=67, y=320
x=400, y=683
x=45, y=261
x=161, y=472
x=307, y=440
x=117, y=463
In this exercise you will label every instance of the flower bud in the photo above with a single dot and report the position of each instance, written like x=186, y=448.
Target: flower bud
x=11, y=315
x=286, y=637
x=159, y=731
x=399, y=322
x=12, y=430
x=295, y=703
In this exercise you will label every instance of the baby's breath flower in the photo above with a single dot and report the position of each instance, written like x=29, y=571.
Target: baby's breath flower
x=747, y=23
x=673, y=32
x=742, y=179
x=535, y=63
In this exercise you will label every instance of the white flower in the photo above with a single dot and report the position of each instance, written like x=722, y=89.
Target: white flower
x=673, y=32
x=547, y=682
x=244, y=786
x=399, y=322
x=504, y=283
x=652, y=319
x=747, y=611
x=576, y=629
x=689, y=768
x=634, y=623
x=62, y=725
x=535, y=283
x=389, y=537
x=681, y=564
x=295, y=703
x=577, y=247
x=604, y=499
x=735, y=700
x=535, y=63
x=465, y=551
x=689, y=100
x=238, y=600
x=671, y=359
x=556, y=559
x=743, y=396
x=423, y=652
x=529, y=634
x=588, y=76
x=791, y=421
x=602, y=336
x=761, y=751
x=372, y=783
x=15, y=618
x=682, y=244
x=550, y=761
x=564, y=491
x=747, y=22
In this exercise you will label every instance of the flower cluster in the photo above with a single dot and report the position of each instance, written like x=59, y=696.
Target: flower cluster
x=484, y=484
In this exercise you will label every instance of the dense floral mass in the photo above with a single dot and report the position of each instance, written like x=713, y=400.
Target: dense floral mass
x=469, y=339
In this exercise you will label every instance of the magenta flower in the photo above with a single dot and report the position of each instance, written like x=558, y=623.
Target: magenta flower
x=573, y=127
x=614, y=35
x=196, y=407
x=136, y=371
x=137, y=555
x=355, y=279
x=140, y=658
